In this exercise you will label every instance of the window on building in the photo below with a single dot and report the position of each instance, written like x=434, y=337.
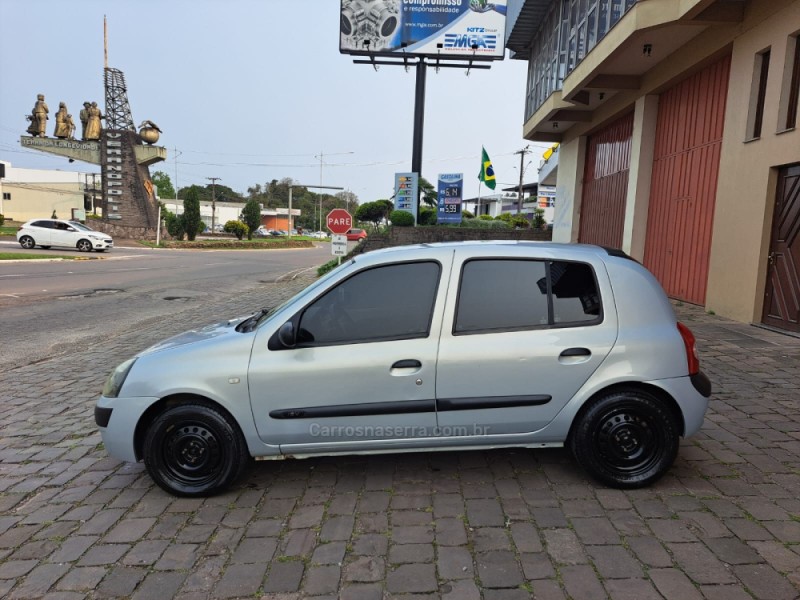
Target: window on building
x=758, y=94
x=790, y=94
x=6, y=195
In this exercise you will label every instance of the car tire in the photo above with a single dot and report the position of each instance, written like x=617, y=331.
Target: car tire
x=27, y=242
x=194, y=450
x=626, y=439
x=84, y=245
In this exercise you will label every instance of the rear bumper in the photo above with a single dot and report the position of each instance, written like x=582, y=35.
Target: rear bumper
x=692, y=402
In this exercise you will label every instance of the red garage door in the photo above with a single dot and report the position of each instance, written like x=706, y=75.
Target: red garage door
x=684, y=184
x=605, y=184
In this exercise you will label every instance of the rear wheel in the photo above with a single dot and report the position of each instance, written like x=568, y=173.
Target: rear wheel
x=194, y=450
x=626, y=439
x=27, y=242
x=84, y=245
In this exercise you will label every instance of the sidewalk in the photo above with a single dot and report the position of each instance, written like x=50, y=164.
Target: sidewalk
x=505, y=524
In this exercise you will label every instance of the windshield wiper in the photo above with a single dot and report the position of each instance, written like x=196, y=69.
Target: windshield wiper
x=250, y=322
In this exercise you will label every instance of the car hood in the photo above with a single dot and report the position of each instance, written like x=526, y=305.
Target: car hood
x=193, y=336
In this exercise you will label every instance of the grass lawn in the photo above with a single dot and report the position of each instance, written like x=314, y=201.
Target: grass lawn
x=8, y=230
x=25, y=256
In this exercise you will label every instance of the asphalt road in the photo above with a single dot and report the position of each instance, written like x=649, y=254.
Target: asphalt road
x=52, y=307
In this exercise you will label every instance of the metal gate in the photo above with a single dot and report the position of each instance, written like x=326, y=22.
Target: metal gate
x=680, y=216
x=782, y=292
x=605, y=184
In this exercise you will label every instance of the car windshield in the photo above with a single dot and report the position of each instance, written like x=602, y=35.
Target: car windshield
x=319, y=282
x=80, y=226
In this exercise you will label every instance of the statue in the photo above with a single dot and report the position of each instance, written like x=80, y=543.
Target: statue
x=84, y=117
x=93, y=127
x=70, y=128
x=38, y=117
x=62, y=129
x=149, y=132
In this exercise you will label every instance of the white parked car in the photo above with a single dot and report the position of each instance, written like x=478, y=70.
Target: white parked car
x=57, y=232
x=438, y=346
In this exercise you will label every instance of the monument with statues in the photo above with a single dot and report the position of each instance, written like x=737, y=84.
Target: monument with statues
x=128, y=201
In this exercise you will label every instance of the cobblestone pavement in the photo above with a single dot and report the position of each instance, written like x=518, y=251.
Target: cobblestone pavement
x=506, y=524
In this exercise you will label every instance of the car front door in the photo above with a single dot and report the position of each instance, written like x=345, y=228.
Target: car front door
x=361, y=374
x=522, y=337
x=63, y=235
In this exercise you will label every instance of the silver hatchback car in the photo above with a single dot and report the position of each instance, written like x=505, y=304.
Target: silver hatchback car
x=459, y=346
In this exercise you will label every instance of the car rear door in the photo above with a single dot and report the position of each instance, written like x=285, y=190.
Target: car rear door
x=41, y=232
x=524, y=333
x=363, y=372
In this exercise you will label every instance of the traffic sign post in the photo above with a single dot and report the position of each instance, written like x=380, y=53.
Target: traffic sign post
x=339, y=244
x=339, y=221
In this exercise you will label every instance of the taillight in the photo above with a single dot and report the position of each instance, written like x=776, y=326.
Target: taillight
x=691, y=349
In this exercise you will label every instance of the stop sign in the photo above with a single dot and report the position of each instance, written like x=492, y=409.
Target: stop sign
x=339, y=221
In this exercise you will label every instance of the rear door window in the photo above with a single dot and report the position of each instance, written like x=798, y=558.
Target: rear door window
x=509, y=294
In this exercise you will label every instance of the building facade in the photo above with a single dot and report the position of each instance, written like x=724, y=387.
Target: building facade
x=37, y=193
x=677, y=124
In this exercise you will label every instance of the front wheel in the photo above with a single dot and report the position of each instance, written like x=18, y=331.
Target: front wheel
x=626, y=439
x=84, y=246
x=27, y=242
x=194, y=450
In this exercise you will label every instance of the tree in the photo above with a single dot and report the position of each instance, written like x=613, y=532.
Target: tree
x=191, y=214
x=427, y=193
x=251, y=216
x=374, y=212
x=163, y=184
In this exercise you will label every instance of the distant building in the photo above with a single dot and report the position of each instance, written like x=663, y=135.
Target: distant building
x=36, y=193
x=271, y=218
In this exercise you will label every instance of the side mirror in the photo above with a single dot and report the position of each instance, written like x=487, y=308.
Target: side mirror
x=286, y=335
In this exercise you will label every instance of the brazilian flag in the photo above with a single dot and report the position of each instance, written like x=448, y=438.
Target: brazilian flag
x=487, y=171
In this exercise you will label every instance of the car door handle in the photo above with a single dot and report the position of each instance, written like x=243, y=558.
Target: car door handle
x=572, y=352
x=408, y=363
x=574, y=356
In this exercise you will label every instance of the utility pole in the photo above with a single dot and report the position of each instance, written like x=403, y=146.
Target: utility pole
x=522, y=154
x=213, y=181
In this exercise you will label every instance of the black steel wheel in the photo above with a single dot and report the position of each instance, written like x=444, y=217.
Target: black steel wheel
x=626, y=439
x=84, y=245
x=27, y=242
x=194, y=450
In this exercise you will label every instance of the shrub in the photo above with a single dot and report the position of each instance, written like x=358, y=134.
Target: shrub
x=427, y=216
x=486, y=218
x=538, y=218
x=328, y=266
x=174, y=224
x=482, y=224
x=465, y=214
x=401, y=218
x=251, y=216
x=237, y=228
x=191, y=214
x=2, y=220
x=519, y=222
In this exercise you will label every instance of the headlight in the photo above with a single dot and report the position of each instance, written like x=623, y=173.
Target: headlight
x=117, y=378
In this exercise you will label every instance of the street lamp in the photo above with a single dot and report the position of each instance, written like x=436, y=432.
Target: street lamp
x=321, y=162
x=294, y=185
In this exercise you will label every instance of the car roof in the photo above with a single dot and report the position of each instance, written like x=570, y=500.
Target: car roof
x=573, y=249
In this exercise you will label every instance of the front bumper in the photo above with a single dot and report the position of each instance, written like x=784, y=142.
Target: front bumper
x=117, y=419
x=102, y=244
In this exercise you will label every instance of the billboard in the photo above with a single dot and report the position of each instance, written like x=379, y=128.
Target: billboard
x=446, y=28
x=406, y=192
x=450, y=191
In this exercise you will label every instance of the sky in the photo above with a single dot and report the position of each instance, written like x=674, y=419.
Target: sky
x=254, y=90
